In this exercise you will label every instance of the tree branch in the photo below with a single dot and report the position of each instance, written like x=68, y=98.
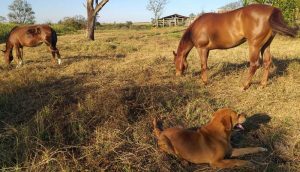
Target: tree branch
x=100, y=6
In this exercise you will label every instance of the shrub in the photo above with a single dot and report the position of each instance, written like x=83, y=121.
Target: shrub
x=5, y=28
x=62, y=29
x=78, y=22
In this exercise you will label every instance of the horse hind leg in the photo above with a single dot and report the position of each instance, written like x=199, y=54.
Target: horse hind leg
x=254, y=64
x=203, y=53
x=19, y=59
x=267, y=59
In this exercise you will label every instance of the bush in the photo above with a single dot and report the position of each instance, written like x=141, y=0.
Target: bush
x=127, y=25
x=4, y=31
x=78, y=22
x=62, y=29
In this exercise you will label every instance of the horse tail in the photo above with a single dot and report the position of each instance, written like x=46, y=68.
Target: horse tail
x=278, y=24
x=8, y=46
x=53, y=39
x=156, y=130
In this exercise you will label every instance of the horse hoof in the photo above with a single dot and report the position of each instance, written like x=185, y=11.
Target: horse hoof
x=178, y=74
x=59, y=61
x=205, y=82
x=246, y=86
x=263, y=85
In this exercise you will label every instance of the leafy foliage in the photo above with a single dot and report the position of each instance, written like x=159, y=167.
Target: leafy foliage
x=157, y=7
x=21, y=12
x=4, y=31
x=77, y=22
x=289, y=7
x=2, y=19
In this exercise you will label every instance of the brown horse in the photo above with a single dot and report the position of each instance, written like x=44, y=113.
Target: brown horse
x=255, y=23
x=30, y=36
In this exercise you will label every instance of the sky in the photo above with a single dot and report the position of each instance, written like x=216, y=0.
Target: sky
x=114, y=10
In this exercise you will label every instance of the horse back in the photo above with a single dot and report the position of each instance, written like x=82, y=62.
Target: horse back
x=230, y=29
x=30, y=35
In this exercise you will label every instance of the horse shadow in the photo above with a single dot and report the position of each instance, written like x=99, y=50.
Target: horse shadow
x=281, y=66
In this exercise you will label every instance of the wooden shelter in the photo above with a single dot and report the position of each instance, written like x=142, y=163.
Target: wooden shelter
x=173, y=20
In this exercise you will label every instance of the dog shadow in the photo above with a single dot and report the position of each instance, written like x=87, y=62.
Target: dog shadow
x=255, y=121
x=252, y=123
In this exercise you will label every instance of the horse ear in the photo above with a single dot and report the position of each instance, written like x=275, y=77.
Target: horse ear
x=174, y=53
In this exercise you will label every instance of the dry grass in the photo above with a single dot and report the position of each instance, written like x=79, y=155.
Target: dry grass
x=94, y=112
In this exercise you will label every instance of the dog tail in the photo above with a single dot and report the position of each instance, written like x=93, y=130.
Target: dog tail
x=156, y=130
x=278, y=24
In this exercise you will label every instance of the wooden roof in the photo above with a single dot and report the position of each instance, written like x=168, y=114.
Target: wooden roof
x=175, y=15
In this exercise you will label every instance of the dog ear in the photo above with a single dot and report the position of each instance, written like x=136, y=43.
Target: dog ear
x=227, y=123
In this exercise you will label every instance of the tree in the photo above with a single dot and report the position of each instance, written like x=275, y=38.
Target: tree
x=157, y=7
x=2, y=19
x=245, y=2
x=231, y=6
x=21, y=12
x=192, y=15
x=93, y=7
x=288, y=7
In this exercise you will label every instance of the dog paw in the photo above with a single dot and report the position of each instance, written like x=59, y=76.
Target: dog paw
x=263, y=149
x=249, y=164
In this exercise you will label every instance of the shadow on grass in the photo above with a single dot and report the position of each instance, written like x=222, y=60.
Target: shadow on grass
x=39, y=113
x=71, y=59
x=228, y=68
x=282, y=66
x=140, y=100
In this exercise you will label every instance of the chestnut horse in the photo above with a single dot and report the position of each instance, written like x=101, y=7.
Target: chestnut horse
x=30, y=36
x=255, y=23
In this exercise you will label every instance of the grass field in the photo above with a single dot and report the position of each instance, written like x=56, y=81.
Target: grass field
x=94, y=112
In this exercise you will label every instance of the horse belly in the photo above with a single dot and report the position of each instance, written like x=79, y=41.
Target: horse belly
x=33, y=43
x=226, y=40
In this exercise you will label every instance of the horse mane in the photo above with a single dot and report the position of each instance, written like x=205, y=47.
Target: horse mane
x=9, y=36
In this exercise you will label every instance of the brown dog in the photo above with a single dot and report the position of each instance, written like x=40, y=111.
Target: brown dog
x=209, y=144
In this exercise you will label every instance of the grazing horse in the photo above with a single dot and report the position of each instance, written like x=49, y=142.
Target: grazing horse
x=30, y=36
x=257, y=24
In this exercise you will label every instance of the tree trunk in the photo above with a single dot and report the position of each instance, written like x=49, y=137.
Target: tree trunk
x=91, y=16
x=90, y=25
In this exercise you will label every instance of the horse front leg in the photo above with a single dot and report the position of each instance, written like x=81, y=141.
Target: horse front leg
x=254, y=64
x=55, y=51
x=19, y=57
x=58, y=57
x=203, y=53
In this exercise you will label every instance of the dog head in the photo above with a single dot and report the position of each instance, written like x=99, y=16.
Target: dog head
x=229, y=119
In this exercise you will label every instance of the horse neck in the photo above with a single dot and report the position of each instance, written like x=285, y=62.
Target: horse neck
x=185, y=44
